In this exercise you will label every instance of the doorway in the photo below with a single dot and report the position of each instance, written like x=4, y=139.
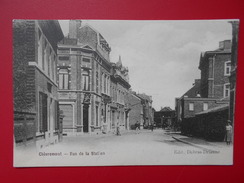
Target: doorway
x=85, y=118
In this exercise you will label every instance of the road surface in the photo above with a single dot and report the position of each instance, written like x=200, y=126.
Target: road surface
x=145, y=148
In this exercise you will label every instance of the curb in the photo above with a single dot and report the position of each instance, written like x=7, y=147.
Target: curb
x=192, y=144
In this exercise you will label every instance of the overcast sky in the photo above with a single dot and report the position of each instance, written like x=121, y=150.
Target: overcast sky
x=162, y=56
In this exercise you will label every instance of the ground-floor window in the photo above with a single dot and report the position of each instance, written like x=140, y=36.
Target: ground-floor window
x=96, y=115
x=43, y=124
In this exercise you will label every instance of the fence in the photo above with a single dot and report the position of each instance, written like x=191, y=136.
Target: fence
x=210, y=126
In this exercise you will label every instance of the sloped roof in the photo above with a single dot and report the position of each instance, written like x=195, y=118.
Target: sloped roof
x=144, y=96
x=166, y=109
x=215, y=109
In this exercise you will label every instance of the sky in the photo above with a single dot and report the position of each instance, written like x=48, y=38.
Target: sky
x=162, y=56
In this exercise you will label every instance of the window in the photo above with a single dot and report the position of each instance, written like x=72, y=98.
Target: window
x=205, y=106
x=105, y=83
x=86, y=62
x=97, y=83
x=49, y=61
x=96, y=115
x=40, y=48
x=45, y=56
x=42, y=112
x=85, y=80
x=191, y=106
x=102, y=83
x=227, y=68
x=63, y=79
x=226, y=90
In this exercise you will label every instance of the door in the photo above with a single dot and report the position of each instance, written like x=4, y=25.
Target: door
x=85, y=118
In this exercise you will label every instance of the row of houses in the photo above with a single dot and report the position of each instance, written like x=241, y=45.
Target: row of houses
x=67, y=85
x=205, y=108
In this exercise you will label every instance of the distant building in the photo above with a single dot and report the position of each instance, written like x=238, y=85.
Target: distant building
x=147, y=109
x=141, y=109
x=135, y=105
x=165, y=117
x=35, y=81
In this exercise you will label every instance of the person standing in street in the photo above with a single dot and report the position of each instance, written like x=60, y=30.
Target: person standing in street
x=118, y=130
x=228, y=133
x=137, y=125
x=152, y=127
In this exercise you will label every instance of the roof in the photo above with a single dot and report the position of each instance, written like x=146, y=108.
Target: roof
x=144, y=96
x=215, y=109
x=166, y=109
x=193, y=91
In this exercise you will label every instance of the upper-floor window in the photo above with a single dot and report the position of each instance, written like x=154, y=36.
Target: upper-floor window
x=205, y=106
x=86, y=62
x=191, y=106
x=40, y=48
x=227, y=90
x=85, y=80
x=102, y=82
x=97, y=82
x=227, y=68
x=63, y=79
x=105, y=84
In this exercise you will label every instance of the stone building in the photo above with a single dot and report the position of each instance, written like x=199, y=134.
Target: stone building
x=119, y=91
x=141, y=110
x=35, y=81
x=136, y=110
x=84, y=80
x=92, y=89
x=147, y=109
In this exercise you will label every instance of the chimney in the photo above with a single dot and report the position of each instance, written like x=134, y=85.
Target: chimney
x=225, y=45
x=74, y=25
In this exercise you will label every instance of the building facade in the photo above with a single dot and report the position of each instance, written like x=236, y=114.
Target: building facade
x=136, y=110
x=215, y=69
x=141, y=110
x=35, y=81
x=148, y=113
x=119, y=94
x=92, y=89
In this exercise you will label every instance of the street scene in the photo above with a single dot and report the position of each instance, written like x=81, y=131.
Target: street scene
x=110, y=93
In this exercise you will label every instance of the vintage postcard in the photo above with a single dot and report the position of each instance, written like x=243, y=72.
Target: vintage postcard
x=116, y=92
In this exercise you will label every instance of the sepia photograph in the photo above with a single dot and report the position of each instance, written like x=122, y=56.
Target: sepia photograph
x=124, y=92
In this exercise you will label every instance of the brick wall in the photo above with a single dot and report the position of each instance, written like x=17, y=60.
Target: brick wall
x=24, y=51
x=198, y=106
x=219, y=78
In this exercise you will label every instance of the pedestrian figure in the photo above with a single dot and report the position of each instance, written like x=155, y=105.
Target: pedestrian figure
x=228, y=133
x=152, y=127
x=118, y=130
x=137, y=125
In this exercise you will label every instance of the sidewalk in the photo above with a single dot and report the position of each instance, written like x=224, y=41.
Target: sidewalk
x=198, y=142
